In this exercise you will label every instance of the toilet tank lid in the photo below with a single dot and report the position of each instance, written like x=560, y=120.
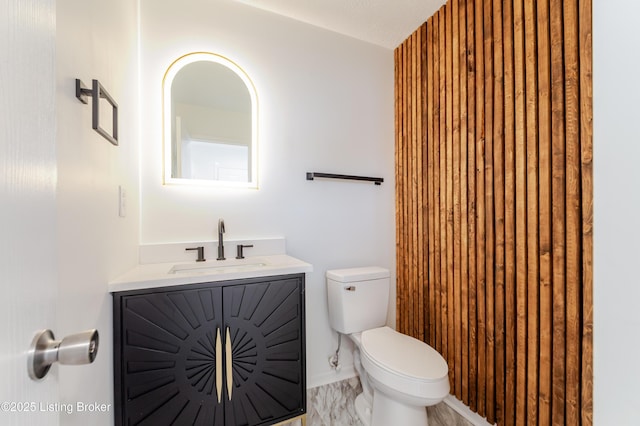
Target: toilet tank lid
x=358, y=274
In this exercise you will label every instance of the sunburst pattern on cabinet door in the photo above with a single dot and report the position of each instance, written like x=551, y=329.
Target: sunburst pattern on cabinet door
x=170, y=348
x=265, y=327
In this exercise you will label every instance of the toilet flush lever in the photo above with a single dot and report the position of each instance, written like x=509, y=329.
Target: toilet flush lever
x=350, y=288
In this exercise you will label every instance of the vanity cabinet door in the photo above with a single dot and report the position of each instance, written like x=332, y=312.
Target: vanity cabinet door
x=264, y=323
x=170, y=347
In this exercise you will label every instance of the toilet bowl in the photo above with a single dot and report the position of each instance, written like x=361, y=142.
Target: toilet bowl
x=400, y=375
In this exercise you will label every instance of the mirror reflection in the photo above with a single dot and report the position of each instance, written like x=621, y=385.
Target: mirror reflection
x=210, y=122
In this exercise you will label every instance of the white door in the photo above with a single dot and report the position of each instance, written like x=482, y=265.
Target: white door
x=27, y=206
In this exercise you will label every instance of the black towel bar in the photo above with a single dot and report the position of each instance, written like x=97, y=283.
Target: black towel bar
x=312, y=175
x=98, y=92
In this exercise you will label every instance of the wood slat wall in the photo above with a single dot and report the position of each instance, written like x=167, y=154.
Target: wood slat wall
x=494, y=203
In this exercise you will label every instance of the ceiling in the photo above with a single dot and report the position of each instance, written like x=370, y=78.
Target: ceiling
x=386, y=23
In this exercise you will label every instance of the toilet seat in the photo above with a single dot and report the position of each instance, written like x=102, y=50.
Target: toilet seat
x=404, y=364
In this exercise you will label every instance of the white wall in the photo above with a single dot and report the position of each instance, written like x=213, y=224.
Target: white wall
x=95, y=39
x=616, y=90
x=325, y=104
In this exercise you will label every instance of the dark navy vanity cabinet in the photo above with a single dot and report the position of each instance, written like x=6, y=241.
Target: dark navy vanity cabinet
x=219, y=353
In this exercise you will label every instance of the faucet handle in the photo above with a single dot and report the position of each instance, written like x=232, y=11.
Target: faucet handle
x=240, y=247
x=200, y=253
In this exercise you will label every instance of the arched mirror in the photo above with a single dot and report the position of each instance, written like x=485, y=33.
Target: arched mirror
x=210, y=123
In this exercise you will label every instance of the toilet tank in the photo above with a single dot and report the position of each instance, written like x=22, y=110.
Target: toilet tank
x=357, y=298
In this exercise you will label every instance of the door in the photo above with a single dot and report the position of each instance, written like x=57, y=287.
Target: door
x=168, y=366
x=27, y=206
x=264, y=343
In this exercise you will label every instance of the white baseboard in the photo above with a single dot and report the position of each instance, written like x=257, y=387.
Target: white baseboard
x=459, y=407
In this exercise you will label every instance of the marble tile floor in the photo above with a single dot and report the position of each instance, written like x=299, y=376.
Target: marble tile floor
x=332, y=405
x=443, y=415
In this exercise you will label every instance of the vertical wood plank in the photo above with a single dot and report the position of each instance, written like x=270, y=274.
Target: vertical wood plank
x=417, y=179
x=414, y=201
x=489, y=213
x=521, y=207
x=443, y=185
x=586, y=148
x=436, y=182
x=403, y=171
x=455, y=188
x=573, y=213
x=423, y=188
x=529, y=412
x=509, y=220
x=406, y=176
x=398, y=181
x=412, y=198
x=415, y=192
x=420, y=207
x=407, y=188
x=498, y=202
x=430, y=182
x=400, y=170
x=480, y=208
x=558, y=212
x=544, y=190
x=471, y=189
x=407, y=183
x=464, y=220
x=449, y=197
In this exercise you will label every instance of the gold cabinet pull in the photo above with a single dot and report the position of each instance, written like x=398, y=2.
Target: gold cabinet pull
x=219, y=365
x=229, y=365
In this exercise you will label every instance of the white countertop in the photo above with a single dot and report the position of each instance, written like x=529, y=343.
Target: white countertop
x=158, y=275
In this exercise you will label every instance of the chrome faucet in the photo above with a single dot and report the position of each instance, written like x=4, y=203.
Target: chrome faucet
x=220, y=240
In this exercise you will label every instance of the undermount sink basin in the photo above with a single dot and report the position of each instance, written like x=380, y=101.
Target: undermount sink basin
x=212, y=268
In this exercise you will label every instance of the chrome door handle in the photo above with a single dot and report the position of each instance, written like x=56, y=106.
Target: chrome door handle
x=218, y=365
x=76, y=349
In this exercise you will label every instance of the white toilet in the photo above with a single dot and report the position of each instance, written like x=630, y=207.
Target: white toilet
x=400, y=375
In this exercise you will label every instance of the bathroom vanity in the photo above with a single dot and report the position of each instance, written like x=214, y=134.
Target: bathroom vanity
x=217, y=344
